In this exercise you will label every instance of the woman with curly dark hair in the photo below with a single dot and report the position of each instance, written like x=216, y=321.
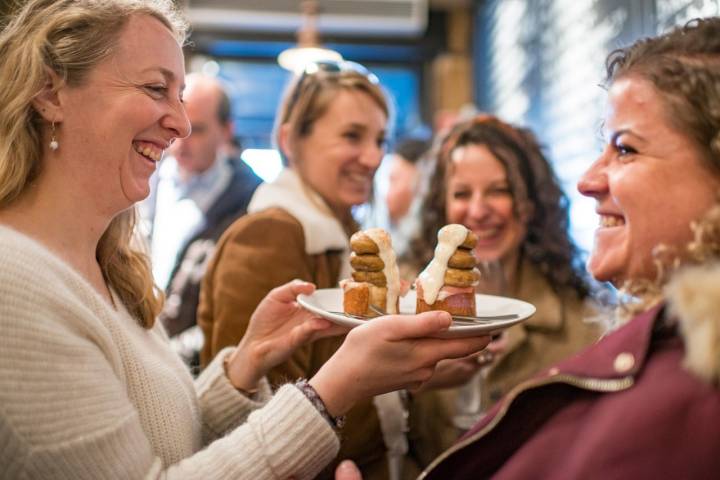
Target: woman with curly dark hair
x=494, y=179
x=529, y=186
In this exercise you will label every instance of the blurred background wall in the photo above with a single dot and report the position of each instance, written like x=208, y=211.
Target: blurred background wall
x=541, y=63
x=533, y=62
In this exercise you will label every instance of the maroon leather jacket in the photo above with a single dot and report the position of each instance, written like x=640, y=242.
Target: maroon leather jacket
x=623, y=408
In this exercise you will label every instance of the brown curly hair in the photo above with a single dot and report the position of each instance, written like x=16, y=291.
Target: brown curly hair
x=533, y=184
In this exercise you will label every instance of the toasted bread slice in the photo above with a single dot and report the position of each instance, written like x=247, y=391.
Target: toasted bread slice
x=358, y=296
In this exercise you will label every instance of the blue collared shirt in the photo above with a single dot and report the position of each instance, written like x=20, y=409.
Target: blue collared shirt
x=180, y=208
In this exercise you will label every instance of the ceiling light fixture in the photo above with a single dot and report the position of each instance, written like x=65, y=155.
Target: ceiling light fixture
x=308, y=48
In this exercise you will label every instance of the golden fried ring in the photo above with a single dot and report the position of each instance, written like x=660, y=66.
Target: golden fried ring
x=376, y=278
x=459, y=278
x=361, y=244
x=368, y=262
x=462, y=259
x=470, y=241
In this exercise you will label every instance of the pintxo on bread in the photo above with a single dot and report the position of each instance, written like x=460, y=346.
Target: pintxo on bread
x=375, y=276
x=448, y=282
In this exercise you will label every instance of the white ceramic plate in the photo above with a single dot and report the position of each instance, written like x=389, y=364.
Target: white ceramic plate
x=328, y=303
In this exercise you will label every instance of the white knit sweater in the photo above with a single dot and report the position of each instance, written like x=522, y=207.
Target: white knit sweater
x=85, y=392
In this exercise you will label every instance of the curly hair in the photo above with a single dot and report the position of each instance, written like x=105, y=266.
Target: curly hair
x=684, y=66
x=70, y=37
x=534, y=187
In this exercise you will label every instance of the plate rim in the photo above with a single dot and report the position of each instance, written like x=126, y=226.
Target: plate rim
x=464, y=330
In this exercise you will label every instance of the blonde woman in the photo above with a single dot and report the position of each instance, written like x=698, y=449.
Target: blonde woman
x=89, y=387
x=331, y=130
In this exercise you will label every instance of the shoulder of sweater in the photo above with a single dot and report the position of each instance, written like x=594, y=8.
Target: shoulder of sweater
x=36, y=284
x=242, y=185
x=25, y=264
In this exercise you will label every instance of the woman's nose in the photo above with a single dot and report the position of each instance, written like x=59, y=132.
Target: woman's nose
x=593, y=182
x=479, y=206
x=177, y=121
x=372, y=155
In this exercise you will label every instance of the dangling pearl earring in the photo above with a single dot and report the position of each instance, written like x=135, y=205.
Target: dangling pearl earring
x=53, y=143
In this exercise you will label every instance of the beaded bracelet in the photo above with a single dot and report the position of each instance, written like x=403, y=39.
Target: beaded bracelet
x=335, y=422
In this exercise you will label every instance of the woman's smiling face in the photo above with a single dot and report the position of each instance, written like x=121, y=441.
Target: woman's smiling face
x=340, y=155
x=479, y=196
x=118, y=122
x=649, y=183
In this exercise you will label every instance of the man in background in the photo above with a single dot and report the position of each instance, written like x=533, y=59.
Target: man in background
x=403, y=196
x=404, y=177
x=199, y=190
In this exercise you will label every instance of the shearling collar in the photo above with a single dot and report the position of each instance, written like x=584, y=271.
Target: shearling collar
x=694, y=297
x=321, y=229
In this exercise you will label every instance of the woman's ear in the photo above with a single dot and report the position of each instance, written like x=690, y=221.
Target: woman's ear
x=47, y=101
x=285, y=142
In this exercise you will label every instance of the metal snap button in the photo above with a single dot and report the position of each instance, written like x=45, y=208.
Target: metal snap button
x=624, y=362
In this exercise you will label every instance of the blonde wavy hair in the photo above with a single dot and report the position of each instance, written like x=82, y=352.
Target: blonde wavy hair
x=70, y=37
x=308, y=97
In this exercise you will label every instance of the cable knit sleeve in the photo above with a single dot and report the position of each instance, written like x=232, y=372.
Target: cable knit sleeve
x=55, y=434
x=87, y=393
x=222, y=407
x=279, y=441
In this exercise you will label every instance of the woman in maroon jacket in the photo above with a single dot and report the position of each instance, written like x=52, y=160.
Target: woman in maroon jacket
x=643, y=402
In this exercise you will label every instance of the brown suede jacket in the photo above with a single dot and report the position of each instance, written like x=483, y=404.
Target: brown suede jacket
x=256, y=254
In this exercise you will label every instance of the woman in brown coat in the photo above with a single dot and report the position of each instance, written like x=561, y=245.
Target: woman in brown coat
x=331, y=133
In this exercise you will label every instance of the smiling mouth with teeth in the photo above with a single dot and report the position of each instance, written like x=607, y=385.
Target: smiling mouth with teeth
x=149, y=151
x=486, y=233
x=359, y=178
x=611, y=221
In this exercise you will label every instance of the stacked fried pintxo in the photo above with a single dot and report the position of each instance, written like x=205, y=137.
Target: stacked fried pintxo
x=448, y=282
x=375, y=277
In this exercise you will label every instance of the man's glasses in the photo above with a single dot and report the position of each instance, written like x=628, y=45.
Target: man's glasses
x=313, y=69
